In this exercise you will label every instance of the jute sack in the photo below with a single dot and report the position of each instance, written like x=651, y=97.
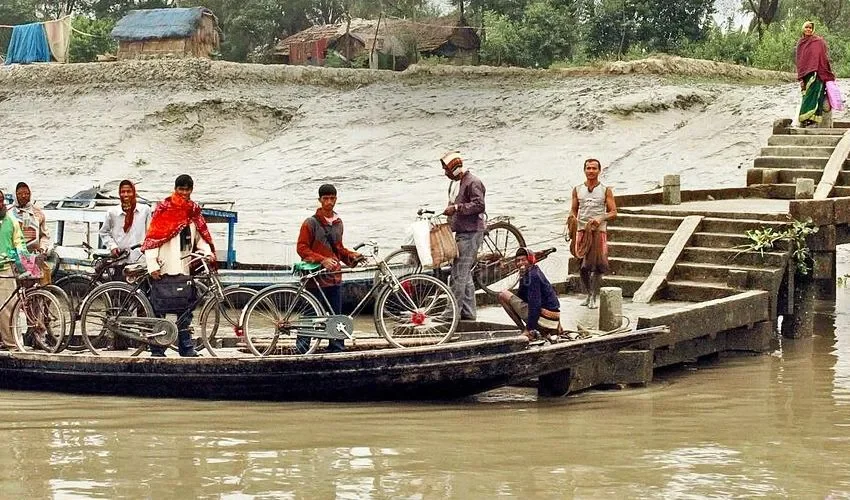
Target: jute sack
x=443, y=245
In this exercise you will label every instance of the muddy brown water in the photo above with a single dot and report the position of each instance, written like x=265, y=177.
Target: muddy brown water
x=756, y=426
x=771, y=426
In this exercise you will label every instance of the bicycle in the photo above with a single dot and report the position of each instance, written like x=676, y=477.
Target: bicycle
x=37, y=320
x=106, y=267
x=416, y=309
x=122, y=309
x=495, y=269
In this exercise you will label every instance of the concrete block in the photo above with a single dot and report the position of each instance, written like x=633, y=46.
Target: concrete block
x=755, y=176
x=805, y=189
x=671, y=190
x=781, y=125
x=819, y=211
x=770, y=176
x=823, y=266
x=610, y=308
x=841, y=210
x=708, y=317
x=737, y=278
x=762, y=337
x=627, y=367
x=824, y=240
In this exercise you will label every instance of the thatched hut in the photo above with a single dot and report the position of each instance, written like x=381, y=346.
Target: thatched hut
x=185, y=32
x=397, y=42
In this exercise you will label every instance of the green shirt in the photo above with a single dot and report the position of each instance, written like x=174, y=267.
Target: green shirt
x=11, y=240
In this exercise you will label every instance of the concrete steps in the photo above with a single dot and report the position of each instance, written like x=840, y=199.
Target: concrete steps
x=635, y=250
x=730, y=256
x=804, y=140
x=790, y=175
x=788, y=191
x=636, y=240
x=798, y=151
x=638, y=235
x=816, y=131
x=779, y=162
x=719, y=273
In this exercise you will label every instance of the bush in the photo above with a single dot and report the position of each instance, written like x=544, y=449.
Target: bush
x=86, y=48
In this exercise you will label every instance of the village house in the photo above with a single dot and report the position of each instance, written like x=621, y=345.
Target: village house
x=396, y=42
x=183, y=32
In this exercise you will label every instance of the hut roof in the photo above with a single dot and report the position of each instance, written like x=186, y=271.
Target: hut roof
x=429, y=33
x=152, y=24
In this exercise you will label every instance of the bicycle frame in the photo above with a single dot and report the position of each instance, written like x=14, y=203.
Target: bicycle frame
x=385, y=279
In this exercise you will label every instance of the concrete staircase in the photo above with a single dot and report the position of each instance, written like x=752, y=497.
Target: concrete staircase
x=702, y=272
x=798, y=153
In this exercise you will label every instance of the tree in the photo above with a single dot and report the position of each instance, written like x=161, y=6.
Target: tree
x=764, y=12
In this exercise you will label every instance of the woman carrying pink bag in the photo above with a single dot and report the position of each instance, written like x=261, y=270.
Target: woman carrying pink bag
x=814, y=73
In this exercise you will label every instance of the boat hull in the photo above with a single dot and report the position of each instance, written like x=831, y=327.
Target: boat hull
x=425, y=373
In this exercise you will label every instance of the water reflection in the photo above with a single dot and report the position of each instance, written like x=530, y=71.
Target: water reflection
x=771, y=426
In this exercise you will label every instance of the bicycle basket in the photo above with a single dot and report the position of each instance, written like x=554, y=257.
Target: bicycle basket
x=303, y=267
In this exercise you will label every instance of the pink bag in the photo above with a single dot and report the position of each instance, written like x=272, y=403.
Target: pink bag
x=833, y=94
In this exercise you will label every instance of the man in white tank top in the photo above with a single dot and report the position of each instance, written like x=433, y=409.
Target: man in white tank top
x=592, y=207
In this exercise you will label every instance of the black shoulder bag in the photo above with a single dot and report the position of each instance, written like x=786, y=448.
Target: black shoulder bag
x=172, y=294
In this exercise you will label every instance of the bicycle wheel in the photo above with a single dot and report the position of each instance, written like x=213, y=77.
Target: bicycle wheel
x=274, y=310
x=495, y=269
x=67, y=314
x=38, y=322
x=104, y=306
x=235, y=299
x=422, y=311
x=404, y=261
x=76, y=287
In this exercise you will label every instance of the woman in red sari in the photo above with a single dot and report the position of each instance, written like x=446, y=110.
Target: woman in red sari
x=813, y=71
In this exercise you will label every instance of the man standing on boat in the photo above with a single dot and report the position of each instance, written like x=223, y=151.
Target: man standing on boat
x=592, y=207
x=34, y=226
x=177, y=229
x=125, y=225
x=535, y=307
x=11, y=242
x=320, y=241
x=468, y=221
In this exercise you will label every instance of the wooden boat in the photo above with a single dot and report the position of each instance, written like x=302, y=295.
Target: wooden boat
x=444, y=371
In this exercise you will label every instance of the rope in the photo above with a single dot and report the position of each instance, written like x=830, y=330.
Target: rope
x=582, y=332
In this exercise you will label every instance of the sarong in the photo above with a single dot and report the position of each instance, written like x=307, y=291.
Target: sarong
x=815, y=102
x=593, y=248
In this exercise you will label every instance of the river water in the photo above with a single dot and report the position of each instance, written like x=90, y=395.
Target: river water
x=753, y=426
x=773, y=426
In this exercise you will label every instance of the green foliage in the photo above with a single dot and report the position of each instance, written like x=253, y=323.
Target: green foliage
x=765, y=240
x=734, y=46
x=86, y=48
x=546, y=33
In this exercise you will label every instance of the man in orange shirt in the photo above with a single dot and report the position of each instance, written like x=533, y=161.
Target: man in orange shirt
x=320, y=241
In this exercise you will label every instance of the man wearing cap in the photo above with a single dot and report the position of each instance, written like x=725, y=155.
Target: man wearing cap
x=320, y=241
x=177, y=228
x=535, y=307
x=468, y=221
x=34, y=226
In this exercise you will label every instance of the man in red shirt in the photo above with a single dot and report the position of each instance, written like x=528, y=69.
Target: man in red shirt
x=320, y=241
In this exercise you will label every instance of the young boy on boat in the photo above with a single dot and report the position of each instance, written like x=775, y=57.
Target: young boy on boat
x=535, y=307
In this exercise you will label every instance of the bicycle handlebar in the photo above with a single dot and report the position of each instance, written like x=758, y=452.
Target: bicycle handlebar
x=425, y=211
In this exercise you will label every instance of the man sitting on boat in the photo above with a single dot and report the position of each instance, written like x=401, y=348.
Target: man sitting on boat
x=34, y=225
x=125, y=225
x=11, y=242
x=177, y=229
x=535, y=307
x=320, y=241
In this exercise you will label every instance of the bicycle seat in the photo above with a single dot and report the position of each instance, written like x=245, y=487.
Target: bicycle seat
x=101, y=253
x=301, y=268
x=135, y=270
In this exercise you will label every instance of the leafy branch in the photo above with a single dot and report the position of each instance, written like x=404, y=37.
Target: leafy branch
x=766, y=239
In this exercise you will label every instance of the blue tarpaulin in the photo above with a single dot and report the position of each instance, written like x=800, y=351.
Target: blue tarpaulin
x=28, y=45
